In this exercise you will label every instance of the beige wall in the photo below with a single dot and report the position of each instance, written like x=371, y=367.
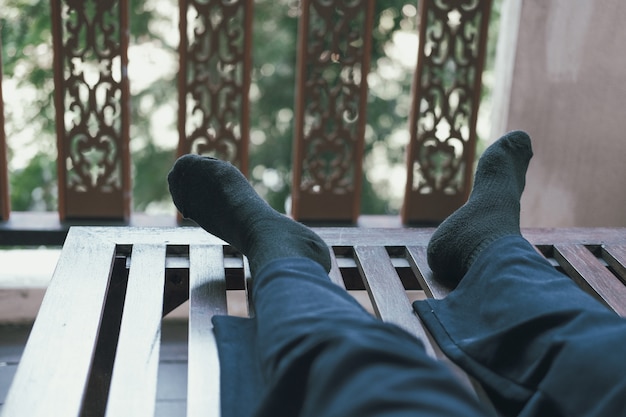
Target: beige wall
x=563, y=65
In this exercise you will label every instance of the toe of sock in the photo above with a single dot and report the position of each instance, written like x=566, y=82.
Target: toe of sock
x=176, y=180
x=519, y=140
x=445, y=266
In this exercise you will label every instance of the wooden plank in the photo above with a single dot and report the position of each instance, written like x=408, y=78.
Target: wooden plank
x=207, y=297
x=575, y=235
x=134, y=379
x=386, y=292
x=35, y=229
x=170, y=235
x=592, y=276
x=615, y=256
x=416, y=255
x=247, y=276
x=345, y=236
x=335, y=272
x=54, y=369
x=5, y=202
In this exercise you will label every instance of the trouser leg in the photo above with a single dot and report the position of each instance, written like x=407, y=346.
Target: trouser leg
x=322, y=354
x=539, y=344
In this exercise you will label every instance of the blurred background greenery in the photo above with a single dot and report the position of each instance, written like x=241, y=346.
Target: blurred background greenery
x=28, y=94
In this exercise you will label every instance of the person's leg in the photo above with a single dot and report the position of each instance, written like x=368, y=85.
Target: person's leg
x=538, y=343
x=320, y=353
x=218, y=198
x=317, y=345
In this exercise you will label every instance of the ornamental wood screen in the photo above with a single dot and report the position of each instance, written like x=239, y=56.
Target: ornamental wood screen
x=447, y=83
x=92, y=108
x=214, y=79
x=92, y=103
x=5, y=205
x=331, y=97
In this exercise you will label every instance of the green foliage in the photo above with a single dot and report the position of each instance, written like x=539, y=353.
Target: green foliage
x=274, y=60
x=36, y=185
x=151, y=165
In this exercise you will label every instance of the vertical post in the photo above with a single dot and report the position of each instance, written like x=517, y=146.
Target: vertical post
x=5, y=204
x=446, y=95
x=92, y=108
x=214, y=79
x=331, y=97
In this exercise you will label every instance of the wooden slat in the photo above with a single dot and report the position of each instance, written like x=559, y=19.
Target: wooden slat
x=247, y=276
x=615, y=256
x=575, y=235
x=416, y=255
x=386, y=292
x=207, y=297
x=591, y=275
x=346, y=236
x=44, y=228
x=54, y=369
x=5, y=203
x=134, y=379
x=335, y=273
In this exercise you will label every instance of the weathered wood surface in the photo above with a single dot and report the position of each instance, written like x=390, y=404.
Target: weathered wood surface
x=54, y=369
x=590, y=274
x=207, y=298
x=386, y=292
x=134, y=379
x=129, y=277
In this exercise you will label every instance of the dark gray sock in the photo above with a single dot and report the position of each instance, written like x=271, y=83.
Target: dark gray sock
x=220, y=199
x=492, y=210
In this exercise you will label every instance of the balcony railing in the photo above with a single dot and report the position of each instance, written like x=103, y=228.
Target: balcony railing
x=333, y=58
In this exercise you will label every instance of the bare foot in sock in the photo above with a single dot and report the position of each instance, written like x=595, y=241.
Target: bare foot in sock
x=492, y=210
x=218, y=197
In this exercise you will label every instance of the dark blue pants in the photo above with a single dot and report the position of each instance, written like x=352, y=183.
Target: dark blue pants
x=318, y=353
x=539, y=345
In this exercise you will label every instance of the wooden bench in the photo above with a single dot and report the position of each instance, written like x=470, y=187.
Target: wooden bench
x=94, y=348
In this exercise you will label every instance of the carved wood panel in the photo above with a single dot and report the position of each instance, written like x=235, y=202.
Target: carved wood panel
x=214, y=79
x=333, y=63
x=446, y=85
x=91, y=98
x=5, y=204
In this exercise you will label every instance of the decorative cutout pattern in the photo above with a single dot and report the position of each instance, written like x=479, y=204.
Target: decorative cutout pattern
x=93, y=99
x=215, y=55
x=448, y=92
x=335, y=60
x=5, y=206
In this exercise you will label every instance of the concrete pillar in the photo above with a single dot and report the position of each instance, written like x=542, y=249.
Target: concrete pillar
x=561, y=76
